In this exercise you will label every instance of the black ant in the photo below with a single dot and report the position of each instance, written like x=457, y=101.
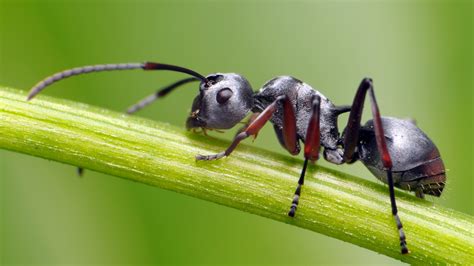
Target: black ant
x=396, y=151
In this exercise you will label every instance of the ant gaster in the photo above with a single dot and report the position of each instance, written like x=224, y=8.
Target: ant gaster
x=396, y=151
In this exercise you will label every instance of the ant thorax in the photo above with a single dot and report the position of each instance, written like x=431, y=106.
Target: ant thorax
x=300, y=94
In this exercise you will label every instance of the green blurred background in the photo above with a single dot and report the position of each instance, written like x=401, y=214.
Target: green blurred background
x=419, y=54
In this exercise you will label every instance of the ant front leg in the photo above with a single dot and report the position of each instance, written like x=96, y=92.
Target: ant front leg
x=351, y=140
x=253, y=129
x=311, y=150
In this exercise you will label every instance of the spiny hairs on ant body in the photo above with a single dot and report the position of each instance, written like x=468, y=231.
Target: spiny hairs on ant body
x=396, y=151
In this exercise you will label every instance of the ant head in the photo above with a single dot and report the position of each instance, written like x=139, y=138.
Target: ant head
x=223, y=101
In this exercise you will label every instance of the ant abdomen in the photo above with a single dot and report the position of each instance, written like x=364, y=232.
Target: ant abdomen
x=417, y=165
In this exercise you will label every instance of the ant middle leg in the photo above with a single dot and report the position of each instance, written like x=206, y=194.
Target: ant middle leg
x=311, y=150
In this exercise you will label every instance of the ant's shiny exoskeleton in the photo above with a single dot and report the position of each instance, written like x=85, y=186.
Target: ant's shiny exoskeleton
x=396, y=151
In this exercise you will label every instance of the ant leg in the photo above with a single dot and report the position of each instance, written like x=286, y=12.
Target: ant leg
x=158, y=94
x=351, y=139
x=311, y=150
x=252, y=129
x=290, y=138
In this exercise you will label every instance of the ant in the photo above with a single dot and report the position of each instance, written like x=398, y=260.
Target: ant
x=396, y=151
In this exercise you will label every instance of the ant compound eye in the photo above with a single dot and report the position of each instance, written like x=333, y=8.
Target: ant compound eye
x=224, y=95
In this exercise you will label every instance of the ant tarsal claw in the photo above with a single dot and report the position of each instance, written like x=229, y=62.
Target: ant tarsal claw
x=292, y=211
x=405, y=249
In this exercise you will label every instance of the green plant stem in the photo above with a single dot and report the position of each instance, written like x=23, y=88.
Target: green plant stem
x=252, y=179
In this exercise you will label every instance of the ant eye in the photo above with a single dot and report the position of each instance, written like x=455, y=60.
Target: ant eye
x=224, y=95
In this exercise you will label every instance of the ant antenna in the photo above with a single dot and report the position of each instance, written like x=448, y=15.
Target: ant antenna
x=108, y=67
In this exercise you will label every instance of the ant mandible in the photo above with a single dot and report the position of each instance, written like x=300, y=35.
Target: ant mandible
x=396, y=151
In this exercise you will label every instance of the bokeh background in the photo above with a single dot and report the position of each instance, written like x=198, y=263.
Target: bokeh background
x=419, y=54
